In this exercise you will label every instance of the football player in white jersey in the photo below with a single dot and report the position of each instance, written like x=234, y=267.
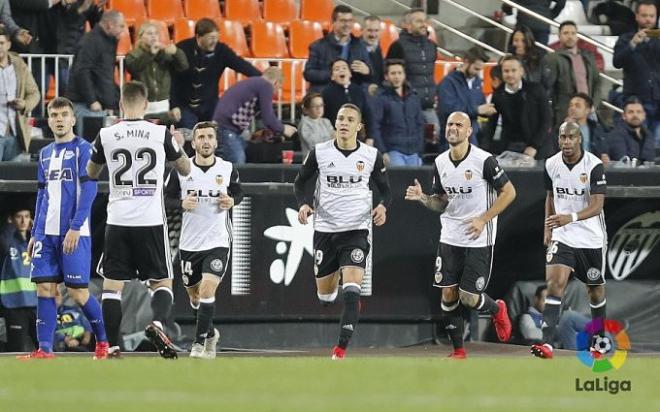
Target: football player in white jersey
x=470, y=190
x=205, y=195
x=574, y=232
x=136, y=243
x=342, y=214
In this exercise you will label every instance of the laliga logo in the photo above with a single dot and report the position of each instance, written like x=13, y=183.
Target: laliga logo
x=300, y=239
x=632, y=244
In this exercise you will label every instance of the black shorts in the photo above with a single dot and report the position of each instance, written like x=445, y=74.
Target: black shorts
x=193, y=264
x=588, y=265
x=333, y=251
x=136, y=252
x=466, y=267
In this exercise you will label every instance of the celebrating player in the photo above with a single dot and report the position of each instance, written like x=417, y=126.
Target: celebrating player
x=574, y=231
x=206, y=195
x=136, y=242
x=470, y=189
x=61, y=246
x=343, y=207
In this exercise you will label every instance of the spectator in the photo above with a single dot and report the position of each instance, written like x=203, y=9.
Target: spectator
x=461, y=91
x=239, y=105
x=371, y=38
x=522, y=45
x=314, y=128
x=586, y=47
x=540, y=30
x=92, y=87
x=594, y=138
x=419, y=53
x=638, y=55
x=569, y=71
x=570, y=323
x=525, y=112
x=73, y=332
x=397, y=121
x=339, y=43
x=341, y=90
x=631, y=138
x=152, y=63
x=195, y=91
x=20, y=35
x=18, y=296
x=18, y=96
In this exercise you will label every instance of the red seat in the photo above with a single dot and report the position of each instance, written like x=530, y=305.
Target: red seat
x=232, y=34
x=164, y=10
x=292, y=88
x=183, y=29
x=244, y=11
x=131, y=9
x=268, y=40
x=280, y=11
x=197, y=9
x=388, y=35
x=301, y=34
x=124, y=46
x=317, y=10
x=227, y=80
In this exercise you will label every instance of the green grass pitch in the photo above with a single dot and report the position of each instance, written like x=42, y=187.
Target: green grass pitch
x=365, y=384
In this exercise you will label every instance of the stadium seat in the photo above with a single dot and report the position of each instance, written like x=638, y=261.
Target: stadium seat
x=131, y=9
x=389, y=34
x=288, y=86
x=227, y=80
x=280, y=11
x=183, y=29
x=487, y=81
x=317, y=10
x=197, y=9
x=232, y=34
x=301, y=34
x=439, y=71
x=243, y=11
x=125, y=45
x=164, y=10
x=268, y=40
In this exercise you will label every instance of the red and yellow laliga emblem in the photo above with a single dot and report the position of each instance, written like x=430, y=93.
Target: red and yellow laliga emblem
x=468, y=174
x=360, y=166
x=219, y=179
x=583, y=178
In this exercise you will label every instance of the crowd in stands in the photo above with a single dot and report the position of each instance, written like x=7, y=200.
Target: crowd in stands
x=404, y=108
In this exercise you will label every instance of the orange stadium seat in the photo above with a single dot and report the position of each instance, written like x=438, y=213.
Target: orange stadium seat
x=389, y=34
x=131, y=9
x=183, y=29
x=301, y=34
x=227, y=79
x=164, y=10
x=232, y=34
x=439, y=71
x=125, y=45
x=280, y=11
x=197, y=9
x=243, y=11
x=317, y=10
x=288, y=86
x=487, y=81
x=268, y=40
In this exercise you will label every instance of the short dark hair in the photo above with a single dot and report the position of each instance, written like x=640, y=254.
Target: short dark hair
x=587, y=99
x=646, y=3
x=509, y=58
x=474, y=54
x=632, y=100
x=59, y=103
x=567, y=23
x=205, y=125
x=4, y=32
x=394, y=62
x=339, y=59
x=307, y=100
x=205, y=26
x=340, y=9
x=539, y=290
x=372, y=17
x=133, y=92
x=352, y=107
x=496, y=72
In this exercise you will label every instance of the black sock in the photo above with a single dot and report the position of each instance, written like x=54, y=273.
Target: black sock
x=204, y=320
x=487, y=304
x=598, y=313
x=111, y=307
x=161, y=304
x=551, y=318
x=351, y=313
x=195, y=309
x=451, y=312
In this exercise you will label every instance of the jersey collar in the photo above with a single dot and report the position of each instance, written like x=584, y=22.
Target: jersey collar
x=346, y=153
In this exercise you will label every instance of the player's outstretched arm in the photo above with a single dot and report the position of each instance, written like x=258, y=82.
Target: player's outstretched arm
x=437, y=202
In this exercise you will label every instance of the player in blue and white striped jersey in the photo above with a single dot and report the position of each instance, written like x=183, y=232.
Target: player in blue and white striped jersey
x=61, y=244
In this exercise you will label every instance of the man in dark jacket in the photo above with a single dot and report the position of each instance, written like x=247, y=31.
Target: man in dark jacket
x=639, y=57
x=397, y=121
x=195, y=91
x=339, y=43
x=525, y=113
x=594, y=138
x=568, y=71
x=371, y=38
x=630, y=138
x=92, y=87
x=540, y=30
x=460, y=91
x=419, y=53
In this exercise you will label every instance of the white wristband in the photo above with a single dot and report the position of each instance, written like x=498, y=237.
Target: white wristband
x=574, y=217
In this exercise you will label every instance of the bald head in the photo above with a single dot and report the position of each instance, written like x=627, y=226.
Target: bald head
x=569, y=127
x=113, y=23
x=570, y=140
x=459, y=128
